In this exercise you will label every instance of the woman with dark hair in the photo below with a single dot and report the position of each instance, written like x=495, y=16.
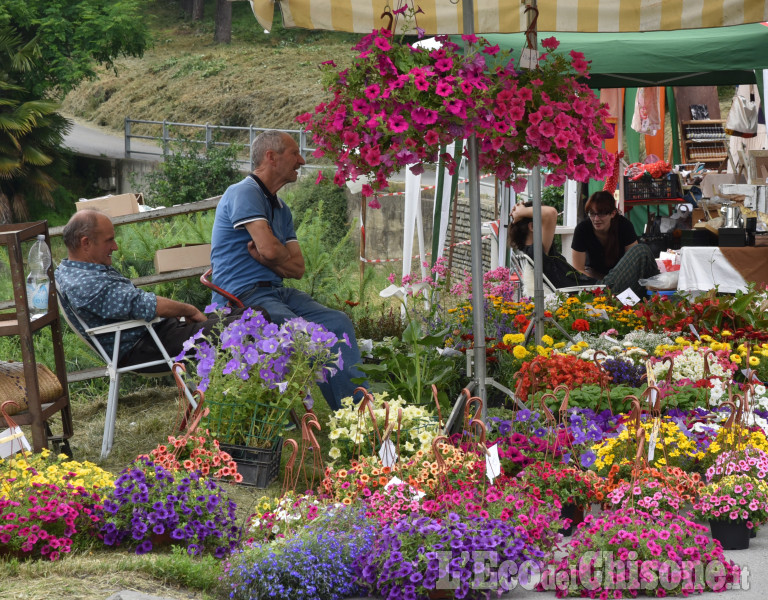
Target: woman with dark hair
x=556, y=268
x=605, y=247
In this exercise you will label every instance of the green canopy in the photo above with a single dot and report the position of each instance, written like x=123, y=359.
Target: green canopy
x=714, y=56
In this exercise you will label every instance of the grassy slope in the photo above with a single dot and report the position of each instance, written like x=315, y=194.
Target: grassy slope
x=260, y=79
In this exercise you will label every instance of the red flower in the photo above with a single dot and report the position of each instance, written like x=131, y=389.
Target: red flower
x=580, y=325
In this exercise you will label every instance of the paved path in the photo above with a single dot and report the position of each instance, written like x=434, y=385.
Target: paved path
x=89, y=140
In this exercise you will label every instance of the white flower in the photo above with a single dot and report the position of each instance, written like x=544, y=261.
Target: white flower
x=337, y=433
x=334, y=453
x=409, y=447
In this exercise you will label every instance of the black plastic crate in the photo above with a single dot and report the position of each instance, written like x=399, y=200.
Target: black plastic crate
x=258, y=466
x=646, y=188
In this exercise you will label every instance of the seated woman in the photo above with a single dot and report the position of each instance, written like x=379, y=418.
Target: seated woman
x=556, y=268
x=615, y=258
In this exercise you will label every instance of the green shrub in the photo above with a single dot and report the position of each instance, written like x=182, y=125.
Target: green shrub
x=192, y=172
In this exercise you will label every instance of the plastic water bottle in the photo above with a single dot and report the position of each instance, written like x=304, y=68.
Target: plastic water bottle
x=38, y=281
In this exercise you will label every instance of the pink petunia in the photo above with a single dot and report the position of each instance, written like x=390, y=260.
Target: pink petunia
x=443, y=89
x=550, y=43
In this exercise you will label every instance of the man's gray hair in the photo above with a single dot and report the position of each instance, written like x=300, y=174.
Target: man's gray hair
x=271, y=139
x=82, y=224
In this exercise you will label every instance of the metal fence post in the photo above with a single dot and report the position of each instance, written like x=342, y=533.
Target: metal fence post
x=127, y=129
x=165, y=137
x=207, y=136
x=251, y=137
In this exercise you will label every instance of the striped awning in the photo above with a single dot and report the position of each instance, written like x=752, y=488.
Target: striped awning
x=508, y=16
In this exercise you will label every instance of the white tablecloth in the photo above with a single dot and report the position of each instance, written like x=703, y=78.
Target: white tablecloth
x=704, y=267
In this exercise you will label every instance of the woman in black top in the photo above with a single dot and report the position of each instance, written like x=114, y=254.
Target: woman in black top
x=605, y=247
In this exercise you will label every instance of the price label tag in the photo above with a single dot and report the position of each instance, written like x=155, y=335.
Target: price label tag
x=415, y=494
x=694, y=332
x=653, y=438
x=529, y=59
x=492, y=463
x=388, y=453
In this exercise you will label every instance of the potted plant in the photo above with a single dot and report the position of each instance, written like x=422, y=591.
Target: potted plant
x=418, y=556
x=733, y=506
x=252, y=376
x=573, y=487
x=623, y=554
x=151, y=506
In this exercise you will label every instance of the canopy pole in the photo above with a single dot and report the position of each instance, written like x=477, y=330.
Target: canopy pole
x=476, y=244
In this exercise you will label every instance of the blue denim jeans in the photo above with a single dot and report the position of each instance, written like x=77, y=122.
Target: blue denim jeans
x=283, y=303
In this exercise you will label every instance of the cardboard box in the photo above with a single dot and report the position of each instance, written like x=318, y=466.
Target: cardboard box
x=113, y=206
x=698, y=214
x=182, y=257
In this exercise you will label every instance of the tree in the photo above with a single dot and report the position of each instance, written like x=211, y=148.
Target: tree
x=223, y=24
x=73, y=37
x=47, y=47
x=31, y=131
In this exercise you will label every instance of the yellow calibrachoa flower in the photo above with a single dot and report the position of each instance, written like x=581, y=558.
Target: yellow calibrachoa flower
x=26, y=469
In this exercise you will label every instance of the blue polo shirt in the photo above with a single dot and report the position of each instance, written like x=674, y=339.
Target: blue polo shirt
x=101, y=295
x=234, y=269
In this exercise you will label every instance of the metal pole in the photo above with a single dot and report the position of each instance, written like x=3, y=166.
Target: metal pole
x=127, y=137
x=534, y=186
x=473, y=183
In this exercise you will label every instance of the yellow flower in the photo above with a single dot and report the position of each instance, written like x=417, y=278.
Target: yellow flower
x=513, y=338
x=754, y=361
x=559, y=345
x=519, y=352
x=735, y=358
x=725, y=333
x=547, y=340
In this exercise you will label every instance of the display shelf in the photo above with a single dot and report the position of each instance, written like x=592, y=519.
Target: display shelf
x=704, y=141
x=18, y=323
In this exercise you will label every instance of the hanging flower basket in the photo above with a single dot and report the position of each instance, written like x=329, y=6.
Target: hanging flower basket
x=399, y=104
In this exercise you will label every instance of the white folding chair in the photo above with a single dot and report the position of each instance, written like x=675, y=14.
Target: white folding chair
x=549, y=288
x=89, y=336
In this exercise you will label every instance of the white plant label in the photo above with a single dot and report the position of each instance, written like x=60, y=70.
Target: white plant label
x=12, y=441
x=388, y=453
x=694, y=332
x=492, y=463
x=652, y=440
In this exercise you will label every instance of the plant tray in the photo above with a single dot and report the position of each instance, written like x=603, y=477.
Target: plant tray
x=258, y=466
x=650, y=189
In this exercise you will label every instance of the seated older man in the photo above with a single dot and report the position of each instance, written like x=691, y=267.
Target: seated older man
x=101, y=295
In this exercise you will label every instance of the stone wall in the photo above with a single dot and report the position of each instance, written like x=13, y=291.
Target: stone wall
x=384, y=231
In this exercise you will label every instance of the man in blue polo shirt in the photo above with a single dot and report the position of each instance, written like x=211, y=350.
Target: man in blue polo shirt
x=254, y=247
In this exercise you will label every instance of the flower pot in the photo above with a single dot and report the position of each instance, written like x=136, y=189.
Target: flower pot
x=574, y=513
x=258, y=466
x=732, y=535
x=753, y=533
x=441, y=594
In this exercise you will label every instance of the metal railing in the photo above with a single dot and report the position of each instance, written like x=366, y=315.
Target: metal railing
x=169, y=133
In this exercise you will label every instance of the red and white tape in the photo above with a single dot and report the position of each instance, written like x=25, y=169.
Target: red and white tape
x=429, y=187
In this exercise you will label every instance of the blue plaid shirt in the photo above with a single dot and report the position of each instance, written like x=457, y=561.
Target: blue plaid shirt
x=101, y=296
